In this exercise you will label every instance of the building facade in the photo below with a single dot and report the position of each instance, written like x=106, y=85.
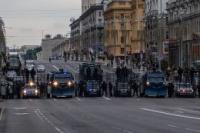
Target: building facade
x=86, y=4
x=138, y=12
x=2, y=43
x=58, y=51
x=156, y=32
x=92, y=29
x=184, y=32
x=75, y=37
x=49, y=43
x=118, y=29
x=2, y=37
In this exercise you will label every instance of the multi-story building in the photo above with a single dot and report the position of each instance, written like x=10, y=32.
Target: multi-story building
x=2, y=37
x=58, y=51
x=75, y=35
x=86, y=4
x=2, y=43
x=92, y=28
x=49, y=43
x=138, y=12
x=155, y=30
x=118, y=28
x=184, y=32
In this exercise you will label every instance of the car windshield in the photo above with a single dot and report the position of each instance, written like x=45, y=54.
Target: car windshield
x=156, y=79
x=62, y=78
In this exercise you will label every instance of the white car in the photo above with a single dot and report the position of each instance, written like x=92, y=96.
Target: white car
x=40, y=68
x=30, y=66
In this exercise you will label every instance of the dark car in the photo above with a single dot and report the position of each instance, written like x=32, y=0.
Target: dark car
x=184, y=90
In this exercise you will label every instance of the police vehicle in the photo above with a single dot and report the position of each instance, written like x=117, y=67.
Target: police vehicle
x=30, y=90
x=91, y=78
x=60, y=84
x=122, y=84
x=153, y=85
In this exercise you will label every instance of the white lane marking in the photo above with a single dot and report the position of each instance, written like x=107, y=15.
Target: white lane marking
x=55, y=67
x=127, y=131
x=19, y=108
x=188, y=110
x=77, y=98
x=55, y=99
x=170, y=114
x=42, y=116
x=59, y=130
x=193, y=130
x=170, y=125
x=1, y=115
x=107, y=98
x=21, y=114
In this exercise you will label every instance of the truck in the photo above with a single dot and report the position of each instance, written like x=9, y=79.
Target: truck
x=90, y=75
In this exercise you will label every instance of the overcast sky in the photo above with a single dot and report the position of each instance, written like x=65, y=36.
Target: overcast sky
x=27, y=20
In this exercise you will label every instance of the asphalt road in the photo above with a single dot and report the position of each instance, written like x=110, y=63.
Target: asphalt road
x=100, y=115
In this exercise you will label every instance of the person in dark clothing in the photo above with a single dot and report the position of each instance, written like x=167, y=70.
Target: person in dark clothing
x=192, y=71
x=95, y=74
x=170, y=89
x=118, y=72
x=65, y=56
x=180, y=74
x=110, y=89
x=81, y=88
x=88, y=73
x=33, y=73
x=135, y=87
x=27, y=75
x=104, y=88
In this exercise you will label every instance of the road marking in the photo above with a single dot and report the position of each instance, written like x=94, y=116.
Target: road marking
x=170, y=125
x=42, y=116
x=19, y=108
x=21, y=113
x=56, y=67
x=55, y=99
x=107, y=98
x=1, y=115
x=192, y=130
x=170, y=114
x=30, y=100
x=77, y=98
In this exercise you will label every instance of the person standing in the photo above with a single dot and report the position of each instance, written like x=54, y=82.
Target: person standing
x=180, y=74
x=104, y=88
x=110, y=89
x=33, y=73
x=135, y=89
x=170, y=89
x=27, y=75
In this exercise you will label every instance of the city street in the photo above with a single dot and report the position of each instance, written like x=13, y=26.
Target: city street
x=100, y=115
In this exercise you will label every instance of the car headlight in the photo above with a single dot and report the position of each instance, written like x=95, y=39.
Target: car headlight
x=55, y=83
x=36, y=91
x=24, y=91
x=31, y=84
x=148, y=83
x=69, y=83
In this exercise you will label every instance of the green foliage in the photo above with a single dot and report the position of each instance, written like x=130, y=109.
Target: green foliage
x=31, y=54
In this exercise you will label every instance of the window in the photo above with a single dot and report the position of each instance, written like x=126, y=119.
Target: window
x=100, y=14
x=122, y=51
x=122, y=39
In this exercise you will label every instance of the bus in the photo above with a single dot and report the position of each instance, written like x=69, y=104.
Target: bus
x=60, y=84
x=153, y=85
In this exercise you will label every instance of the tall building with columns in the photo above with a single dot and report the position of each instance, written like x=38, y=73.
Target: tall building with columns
x=184, y=32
